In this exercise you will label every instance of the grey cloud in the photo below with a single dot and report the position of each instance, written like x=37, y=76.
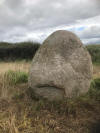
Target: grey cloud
x=49, y=16
x=90, y=32
x=19, y=17
x=91, y=41
x=13, y=3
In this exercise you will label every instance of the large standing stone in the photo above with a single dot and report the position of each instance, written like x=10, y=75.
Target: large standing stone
x=62, y=67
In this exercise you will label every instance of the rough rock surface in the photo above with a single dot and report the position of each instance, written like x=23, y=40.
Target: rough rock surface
x=61, y=68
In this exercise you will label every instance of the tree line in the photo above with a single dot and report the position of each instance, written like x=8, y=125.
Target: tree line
x=27, y=50
x=18, y=51
x=94, y=51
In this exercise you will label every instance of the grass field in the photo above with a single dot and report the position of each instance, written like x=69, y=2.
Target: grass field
x=16, y=66
x=24, y=66
x=21, y=112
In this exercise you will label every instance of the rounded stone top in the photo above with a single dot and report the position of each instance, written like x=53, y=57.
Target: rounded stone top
x=63, y=37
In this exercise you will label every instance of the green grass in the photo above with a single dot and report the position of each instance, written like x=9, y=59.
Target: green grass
x=16, y=77
x=94, y=91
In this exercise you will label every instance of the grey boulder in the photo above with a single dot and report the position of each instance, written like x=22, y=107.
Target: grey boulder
x=61, y=68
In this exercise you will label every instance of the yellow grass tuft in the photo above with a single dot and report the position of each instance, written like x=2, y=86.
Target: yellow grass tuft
x=96, y=71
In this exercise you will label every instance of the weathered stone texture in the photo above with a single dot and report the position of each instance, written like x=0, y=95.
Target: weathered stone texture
x=62, y=67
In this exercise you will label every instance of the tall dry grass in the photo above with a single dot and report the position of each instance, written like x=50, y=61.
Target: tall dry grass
x=10, y=72
x=16, y=66
x=22, y=114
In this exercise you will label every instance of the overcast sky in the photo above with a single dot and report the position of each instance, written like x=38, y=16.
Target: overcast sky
x=22, y=20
